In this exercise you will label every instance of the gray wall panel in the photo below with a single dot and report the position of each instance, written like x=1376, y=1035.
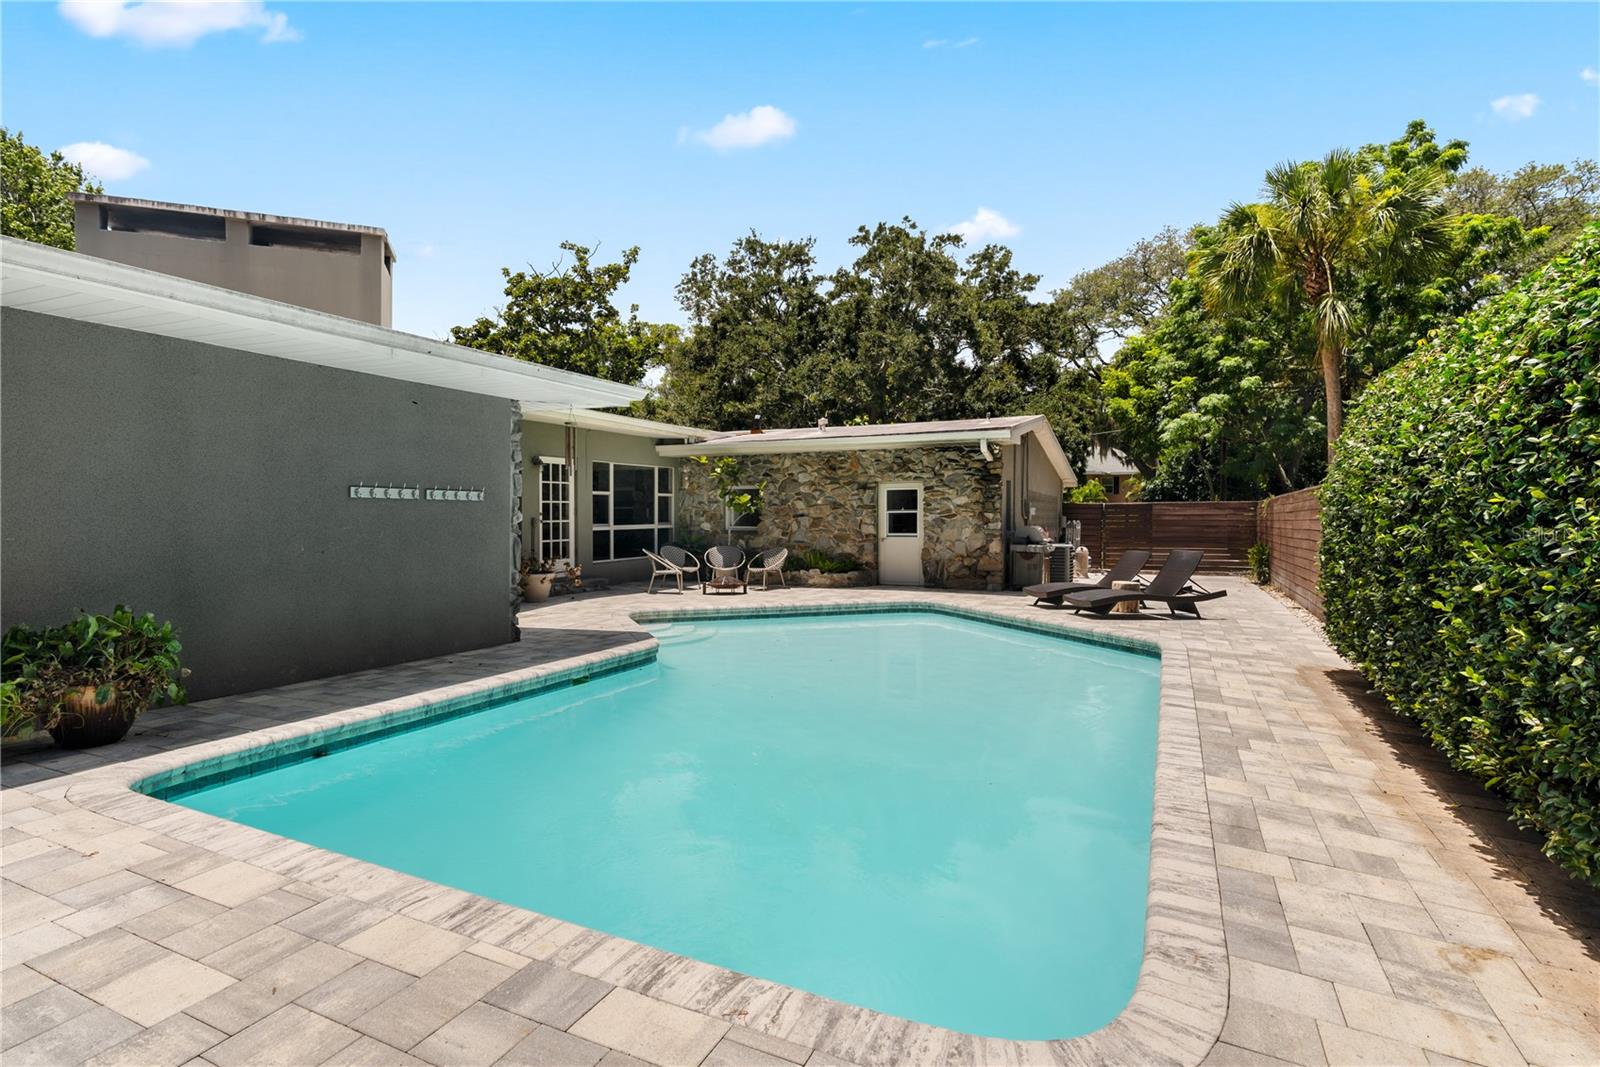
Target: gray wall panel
x=209, y=486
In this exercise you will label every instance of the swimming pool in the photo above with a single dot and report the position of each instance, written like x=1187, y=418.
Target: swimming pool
x=928, y=816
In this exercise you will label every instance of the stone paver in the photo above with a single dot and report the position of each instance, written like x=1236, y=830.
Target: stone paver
x=1325, y=890
x=289, y=1037
x=476, y=1038
x=548, y=994
x=648, y=1029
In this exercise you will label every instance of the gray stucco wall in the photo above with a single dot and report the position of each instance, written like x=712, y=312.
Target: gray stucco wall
x=209, y=486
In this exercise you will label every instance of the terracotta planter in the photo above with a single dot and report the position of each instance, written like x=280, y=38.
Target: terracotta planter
x=86, y=722
x=536, y=587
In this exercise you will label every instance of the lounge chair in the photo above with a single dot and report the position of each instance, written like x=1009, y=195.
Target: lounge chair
x=768, y=562
x=682, y=559
x=1126, y=570
x=724, y=561
x=1173, y=586
x=662, y=568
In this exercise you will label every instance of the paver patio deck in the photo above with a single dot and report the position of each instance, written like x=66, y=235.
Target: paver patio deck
x=1337, y=895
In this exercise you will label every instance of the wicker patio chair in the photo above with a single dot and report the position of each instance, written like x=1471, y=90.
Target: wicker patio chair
x=768, y=562
x=661, y=568
x=683, y=559
x=724, y=561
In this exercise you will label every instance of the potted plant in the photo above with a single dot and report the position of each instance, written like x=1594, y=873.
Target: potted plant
x=87, y=681
x=537, y=577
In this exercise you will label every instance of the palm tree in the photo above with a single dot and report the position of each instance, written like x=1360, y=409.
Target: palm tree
x=1322, y=223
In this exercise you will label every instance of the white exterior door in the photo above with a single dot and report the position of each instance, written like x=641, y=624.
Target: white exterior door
x=553, y=524
x=900, y=533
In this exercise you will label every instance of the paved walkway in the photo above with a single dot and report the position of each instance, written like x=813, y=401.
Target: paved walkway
x=1326, y=891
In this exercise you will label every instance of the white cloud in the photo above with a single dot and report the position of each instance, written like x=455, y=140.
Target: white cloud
x=1590, y=75
x=942, y=42
x=1515, y=108
x=106, y=162
x=749, y=129
x=986, y=225
x=176, y=23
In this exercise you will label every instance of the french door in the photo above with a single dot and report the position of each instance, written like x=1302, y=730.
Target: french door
x=554, y=524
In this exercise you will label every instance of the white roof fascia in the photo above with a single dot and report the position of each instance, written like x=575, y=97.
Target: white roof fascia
x=751, y=444
x=52, y=281
x=611, y=423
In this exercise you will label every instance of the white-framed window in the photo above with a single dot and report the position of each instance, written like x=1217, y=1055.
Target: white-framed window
x=742, y=521
x=553, y=524
x=902, y=512
x=632, y=509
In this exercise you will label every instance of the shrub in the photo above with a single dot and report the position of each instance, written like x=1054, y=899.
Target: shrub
x=1461, y=547
x=1259, y=560
x=132, y=654
x=1090, y=492
x=817, y=559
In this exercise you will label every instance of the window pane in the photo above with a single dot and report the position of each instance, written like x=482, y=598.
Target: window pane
x=664, y=511
x=903, y=522
x=633, y=492
x=747, y=520
x=664, y=479
x=602, y=477
x=901, y=499
x=602, y=509
x=630, y=543
x=602, y=544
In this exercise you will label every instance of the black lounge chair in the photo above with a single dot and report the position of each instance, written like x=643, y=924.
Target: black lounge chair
x=1172, y=586
x=1126, y=570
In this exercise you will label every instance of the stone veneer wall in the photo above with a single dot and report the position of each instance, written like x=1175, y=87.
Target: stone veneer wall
x=829, y=500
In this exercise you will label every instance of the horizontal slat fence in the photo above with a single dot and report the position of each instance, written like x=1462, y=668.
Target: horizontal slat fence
x=1291, y=528
x=1223, y=529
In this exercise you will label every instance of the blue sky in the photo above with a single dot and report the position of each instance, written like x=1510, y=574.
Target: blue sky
x=484, y=135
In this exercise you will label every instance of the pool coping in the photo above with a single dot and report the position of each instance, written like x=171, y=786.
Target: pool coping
x=1174, y=1015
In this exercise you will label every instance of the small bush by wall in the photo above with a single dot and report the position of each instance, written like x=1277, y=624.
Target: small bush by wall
x=1461, y=547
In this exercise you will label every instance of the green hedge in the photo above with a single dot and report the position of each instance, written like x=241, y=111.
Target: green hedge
x=1461, y=547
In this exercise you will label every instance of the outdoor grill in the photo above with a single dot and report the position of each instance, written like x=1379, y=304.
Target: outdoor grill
x=1036, y=556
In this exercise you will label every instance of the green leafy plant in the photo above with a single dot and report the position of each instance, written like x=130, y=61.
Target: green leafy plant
x=727, y=477
x=1461, y=547
x=1259, y=559
x=1090, y=492
x=133, y=657
x=817, y=559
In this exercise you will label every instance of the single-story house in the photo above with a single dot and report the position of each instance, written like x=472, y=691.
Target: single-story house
x=302, y=493
x=1112, y=468
x=922, y=503
x=595, y=489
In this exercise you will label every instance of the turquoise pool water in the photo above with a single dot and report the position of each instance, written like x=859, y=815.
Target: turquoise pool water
x=937, y=818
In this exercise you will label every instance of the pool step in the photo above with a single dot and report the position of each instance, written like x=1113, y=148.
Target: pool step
x=677, y=633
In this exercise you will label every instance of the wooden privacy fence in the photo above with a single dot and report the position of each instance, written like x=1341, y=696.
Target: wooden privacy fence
x=1223, y=529
x=1291, y=528
x=1289, y=525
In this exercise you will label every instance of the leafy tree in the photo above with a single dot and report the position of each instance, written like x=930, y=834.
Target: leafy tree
x=757, y=323
x=1323, y=224
x=1211, y=406
x=566, y=317
x=895, y=338
x=33, y=192
x=1560, y=197
x=1128, y=294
